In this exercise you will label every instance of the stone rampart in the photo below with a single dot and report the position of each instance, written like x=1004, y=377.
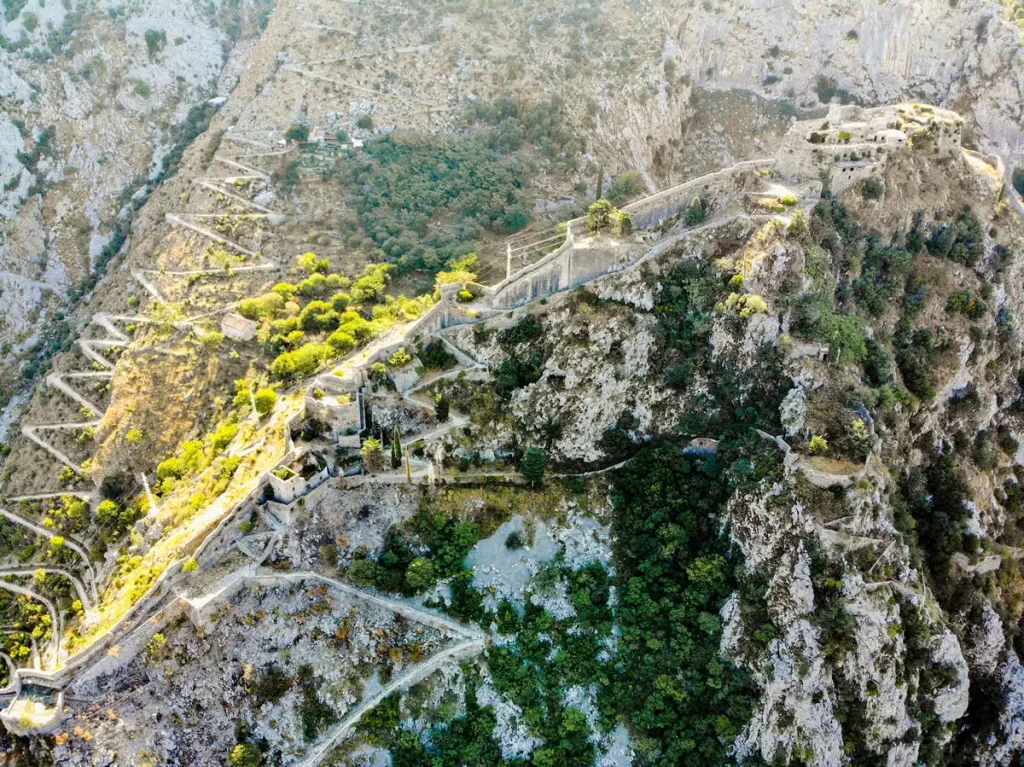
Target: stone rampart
x=581, y=258
x=655, y=209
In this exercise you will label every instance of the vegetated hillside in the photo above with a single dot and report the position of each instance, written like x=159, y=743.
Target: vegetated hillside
x=877, y=335
x=97, y=101
x=686, y=88
x=835, y=579
x=805, y=548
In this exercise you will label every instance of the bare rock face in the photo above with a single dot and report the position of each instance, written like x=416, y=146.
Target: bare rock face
x=1009, y=737
x=964, y=54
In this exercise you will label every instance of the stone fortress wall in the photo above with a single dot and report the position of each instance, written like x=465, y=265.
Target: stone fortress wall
x=847, y=146
x=850, y=144
x=581, y=257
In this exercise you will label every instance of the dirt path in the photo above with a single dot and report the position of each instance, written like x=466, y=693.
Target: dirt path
x=46, y=496
x=236, y=197
x=59, y=381
x=56, y=618
x=179, y=221
x=149, y=286
x=32, y=433
x=411, y=677
x=31, y=570
x=41, y=531
x=434, y=620
x=248, y=169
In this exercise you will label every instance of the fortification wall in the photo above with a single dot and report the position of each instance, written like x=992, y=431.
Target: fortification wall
x=546, y=276
x=996, y=162
x=844, y=176
x=151, y=608
x=654, y=210
x=582, y=258
x=600, y=255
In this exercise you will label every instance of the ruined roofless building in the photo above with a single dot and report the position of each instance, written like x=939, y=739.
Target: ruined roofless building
x=852, y=143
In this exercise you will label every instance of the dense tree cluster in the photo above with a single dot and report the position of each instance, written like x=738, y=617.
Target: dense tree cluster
x=685, y=703
x=426, y=199
x=417, y=553
x=408, y=182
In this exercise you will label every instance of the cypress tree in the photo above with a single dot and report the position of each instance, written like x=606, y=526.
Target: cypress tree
x=533, y=466
x=396, y=450
x=441, y=407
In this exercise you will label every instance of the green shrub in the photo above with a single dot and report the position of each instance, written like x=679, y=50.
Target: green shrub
x=828, y=88
x=960, y=241
x=341, y=341
x=467, y=603
x=518, y=372
x=878, y=364
x=528, y=330
x=271, y=685
x=310, y=261
x=156, y=41
x=373, y=455
x=965, y=302
x=302, y=362
x=314, y=713
x=172, y=467
x=400, y=359
x=441, y=407
x=625, y=186
x=222, y=437
x=871, y=189
x=319, y=315
x=245, y=755
x=697, y=212
x=912, y=363
x=935, y=498
x=265, y=400
x=515, y=541
x=598, y=215
x=845, y=334
x=622, y=223
x=420, y=574
x=435, y=356
x=363, y=572
x=534, y=465
x=297, y=132
x=266, y=306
